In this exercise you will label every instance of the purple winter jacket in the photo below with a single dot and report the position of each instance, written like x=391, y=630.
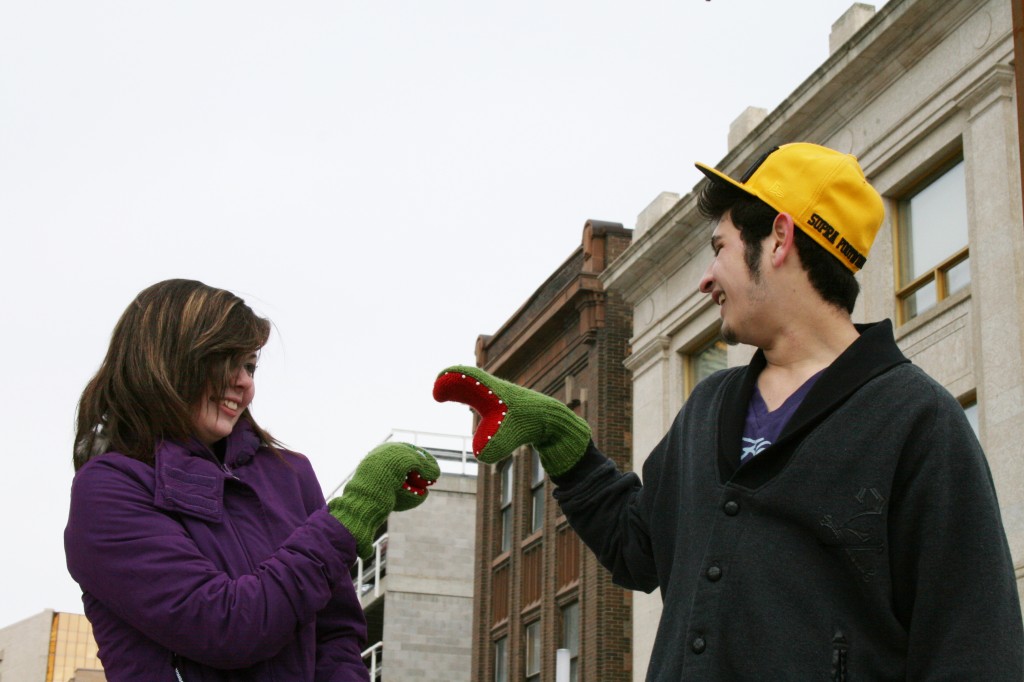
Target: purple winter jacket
x=227, y=573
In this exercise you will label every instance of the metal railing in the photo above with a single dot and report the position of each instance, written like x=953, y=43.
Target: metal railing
x=448, y=449
x=376, y=569
x=376, y=656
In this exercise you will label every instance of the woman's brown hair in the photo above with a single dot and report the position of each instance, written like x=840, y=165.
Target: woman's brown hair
x=176, y=338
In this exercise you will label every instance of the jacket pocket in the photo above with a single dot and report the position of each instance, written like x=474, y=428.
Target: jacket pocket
x=840, y=650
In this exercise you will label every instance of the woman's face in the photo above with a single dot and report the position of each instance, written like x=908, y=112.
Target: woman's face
x=216, y=415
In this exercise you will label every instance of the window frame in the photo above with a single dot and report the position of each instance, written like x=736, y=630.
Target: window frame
x=532, y=651
x=938, y=273
x=574, y=650
x=537, y=489
x=692, y=352
x=506, y=493
x=501, y=659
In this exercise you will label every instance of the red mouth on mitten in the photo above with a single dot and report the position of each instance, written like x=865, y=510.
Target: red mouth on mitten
x=462, y=388
x=416, y=484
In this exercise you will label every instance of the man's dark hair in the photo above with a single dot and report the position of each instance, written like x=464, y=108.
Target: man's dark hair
x=754, y=219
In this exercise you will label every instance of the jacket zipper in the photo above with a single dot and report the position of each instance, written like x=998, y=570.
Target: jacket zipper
x=234, y=531
x=175, y=658
x=177, y=670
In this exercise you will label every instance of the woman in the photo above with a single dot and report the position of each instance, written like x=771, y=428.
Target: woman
x=203, y=550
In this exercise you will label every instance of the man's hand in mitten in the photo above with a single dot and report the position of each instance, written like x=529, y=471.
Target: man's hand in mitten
x=392, y=477
x=511, y=416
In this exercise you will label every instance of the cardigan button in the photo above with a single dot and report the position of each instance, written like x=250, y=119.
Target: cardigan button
x=698, y=645
x=732, y=507
x=714, y=574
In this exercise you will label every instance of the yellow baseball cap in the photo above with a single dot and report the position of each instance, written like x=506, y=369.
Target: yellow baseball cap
x=825, y=192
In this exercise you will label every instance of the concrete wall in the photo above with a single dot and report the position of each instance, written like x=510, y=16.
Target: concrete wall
x=24, y=649
x=428, y=608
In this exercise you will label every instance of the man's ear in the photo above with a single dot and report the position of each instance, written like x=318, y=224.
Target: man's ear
x=783, y=234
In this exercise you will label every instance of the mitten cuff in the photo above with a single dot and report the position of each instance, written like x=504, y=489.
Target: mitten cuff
x=360, y=520
x=566, y=436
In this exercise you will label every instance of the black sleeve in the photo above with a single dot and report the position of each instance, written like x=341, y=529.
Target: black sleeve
x=953, y=578
x=604, y=507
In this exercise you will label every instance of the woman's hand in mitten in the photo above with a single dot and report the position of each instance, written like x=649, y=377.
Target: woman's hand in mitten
x=392, y=477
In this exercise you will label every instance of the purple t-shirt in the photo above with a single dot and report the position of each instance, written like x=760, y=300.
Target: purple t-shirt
x=762, y=428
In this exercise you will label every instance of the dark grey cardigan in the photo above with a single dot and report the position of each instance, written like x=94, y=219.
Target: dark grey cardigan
x=865, y=544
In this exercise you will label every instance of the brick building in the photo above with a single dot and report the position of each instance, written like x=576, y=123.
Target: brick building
x=536, y=589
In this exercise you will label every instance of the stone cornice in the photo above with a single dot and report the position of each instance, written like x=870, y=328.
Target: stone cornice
x=659, y=252
x=996, y=83
x=655, y=349
x=584, y=291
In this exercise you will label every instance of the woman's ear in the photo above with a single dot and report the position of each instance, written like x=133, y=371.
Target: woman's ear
x=782, y=238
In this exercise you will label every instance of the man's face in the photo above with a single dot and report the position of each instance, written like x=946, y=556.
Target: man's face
x=735, y=289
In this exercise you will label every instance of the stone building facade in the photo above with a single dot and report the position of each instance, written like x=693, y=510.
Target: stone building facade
x=924, y=96
x=536, y=588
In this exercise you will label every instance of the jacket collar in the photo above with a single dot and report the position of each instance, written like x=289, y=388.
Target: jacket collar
x=190, y=480
x=872, y=354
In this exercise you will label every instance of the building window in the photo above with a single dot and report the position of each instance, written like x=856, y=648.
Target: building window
x=932, y=251
x=533, y=652
x=567, y=553
x=72, y=646
x=704, y=361
x=536, y=493
x=507, y=474
x=533, y=575
x=499, y=602
x=501, y=660
x=571, y=637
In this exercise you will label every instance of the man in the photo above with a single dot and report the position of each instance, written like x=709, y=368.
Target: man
x=824, y=513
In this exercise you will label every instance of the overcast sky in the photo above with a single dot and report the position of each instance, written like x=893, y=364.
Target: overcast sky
x=384, y=180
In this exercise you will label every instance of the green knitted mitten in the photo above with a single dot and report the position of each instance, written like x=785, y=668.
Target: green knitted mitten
x=511, y=416
x=392, y=477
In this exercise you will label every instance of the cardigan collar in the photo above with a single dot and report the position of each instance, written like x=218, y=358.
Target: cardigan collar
x=873, y=353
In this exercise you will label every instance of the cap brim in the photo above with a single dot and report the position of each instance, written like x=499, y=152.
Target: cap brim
x=716, y=175
x=713, y=174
